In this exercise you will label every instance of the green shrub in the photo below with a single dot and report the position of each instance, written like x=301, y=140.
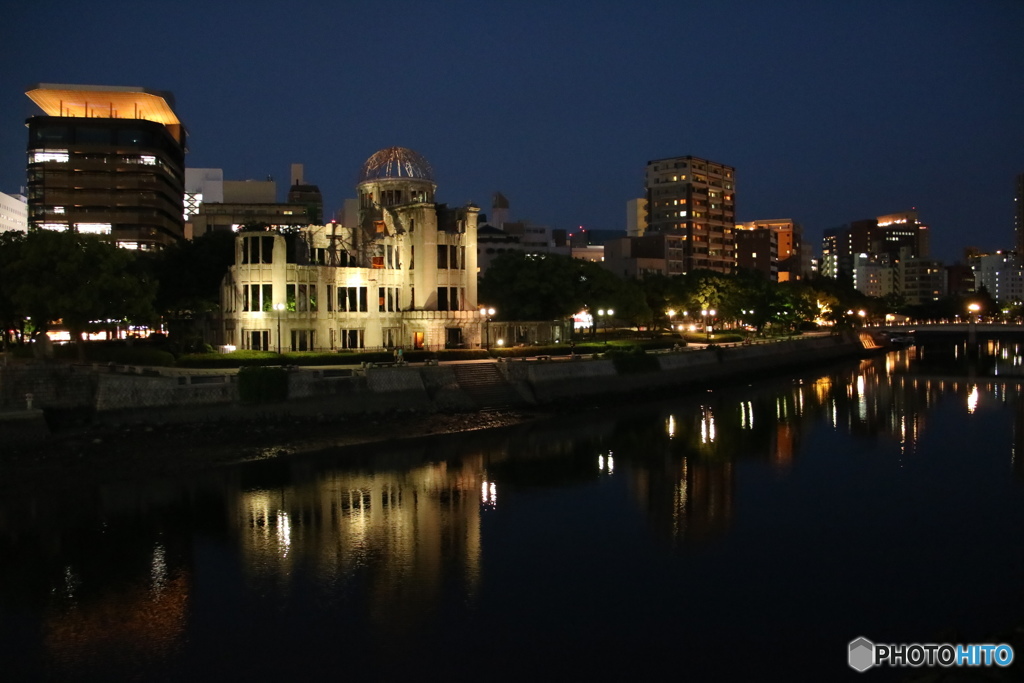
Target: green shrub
x=262, y=385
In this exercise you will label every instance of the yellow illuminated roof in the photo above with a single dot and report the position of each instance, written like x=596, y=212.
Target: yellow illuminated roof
x=104, y=101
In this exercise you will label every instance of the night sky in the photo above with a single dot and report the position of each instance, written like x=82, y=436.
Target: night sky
x=829, y=111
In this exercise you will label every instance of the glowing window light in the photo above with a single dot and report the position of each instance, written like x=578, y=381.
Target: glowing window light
x=59, y=227
x=93, y=228
x=147, y=160
x=44, y=155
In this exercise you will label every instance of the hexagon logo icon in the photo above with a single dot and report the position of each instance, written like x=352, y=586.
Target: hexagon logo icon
x=862, y=654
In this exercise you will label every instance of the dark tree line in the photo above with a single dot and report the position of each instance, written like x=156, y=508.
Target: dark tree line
x=546, y=286
x=85, y=283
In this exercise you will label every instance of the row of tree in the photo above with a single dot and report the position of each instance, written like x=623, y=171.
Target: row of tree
x=547, y=286
x=85, y=283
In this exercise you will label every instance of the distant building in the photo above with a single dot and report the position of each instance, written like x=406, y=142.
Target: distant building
x=921, y=280
x=306, y=194
x=107, y=160
x=250, y=191
x=694, y=199
x=402, y=276
x=896, y=236
x=757, y=248
x=871, y=277
x=636, y=217
x=214, y=216
x=212, y=203
x=499, y=210
x=1001, y=273
x=202, y=185
x=959, y=280
x=792, y=260
x=639, y=257
x=13, y=212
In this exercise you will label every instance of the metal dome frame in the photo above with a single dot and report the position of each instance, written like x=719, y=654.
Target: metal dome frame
x=396, y=162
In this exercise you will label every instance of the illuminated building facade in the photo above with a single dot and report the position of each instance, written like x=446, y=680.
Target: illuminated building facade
x=1001, y=274
x=13, y=213
x=636, y=217
x=694, y=199
x=107, y=160
x=403, y=276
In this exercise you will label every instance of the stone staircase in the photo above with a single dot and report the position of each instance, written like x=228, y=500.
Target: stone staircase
x=485, y=384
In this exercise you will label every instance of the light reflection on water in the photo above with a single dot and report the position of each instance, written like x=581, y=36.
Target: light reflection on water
x=701, y=517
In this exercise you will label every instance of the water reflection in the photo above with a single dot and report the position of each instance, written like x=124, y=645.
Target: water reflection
x=393, y=537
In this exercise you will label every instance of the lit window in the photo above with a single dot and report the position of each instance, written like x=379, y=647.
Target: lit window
x=43, y=155
x=58, y=209
x=53, y=226
x=93, y=228
x=147, y=160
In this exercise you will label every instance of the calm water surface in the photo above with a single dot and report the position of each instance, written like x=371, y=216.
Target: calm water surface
x=745, y=533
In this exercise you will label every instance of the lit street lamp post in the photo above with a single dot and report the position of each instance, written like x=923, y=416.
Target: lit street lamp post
x=709, y=317
x=601, y=313
x=487, y=313
x=972, y=328
x=279, y=307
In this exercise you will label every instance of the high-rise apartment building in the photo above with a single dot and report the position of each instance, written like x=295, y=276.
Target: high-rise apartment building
x=107, y=160
x=694, y=199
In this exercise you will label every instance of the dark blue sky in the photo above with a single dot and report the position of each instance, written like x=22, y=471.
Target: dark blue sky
x=830, y=111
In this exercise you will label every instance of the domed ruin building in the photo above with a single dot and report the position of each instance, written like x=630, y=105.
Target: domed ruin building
x=403, y=276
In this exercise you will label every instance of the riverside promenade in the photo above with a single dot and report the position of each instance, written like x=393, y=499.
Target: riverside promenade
x=39, y=399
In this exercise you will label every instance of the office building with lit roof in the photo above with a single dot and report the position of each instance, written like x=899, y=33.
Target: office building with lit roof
x=107, y=160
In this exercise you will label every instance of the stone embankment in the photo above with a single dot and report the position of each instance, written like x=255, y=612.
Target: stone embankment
x=38, y=399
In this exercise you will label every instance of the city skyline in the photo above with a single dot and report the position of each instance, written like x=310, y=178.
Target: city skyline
x=828, y=114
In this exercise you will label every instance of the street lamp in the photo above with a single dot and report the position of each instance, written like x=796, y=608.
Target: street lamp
x=601, y=313
x=709, y=316
x=487, y=313
x=972, y=328
x=279, y=307
x=671, y=313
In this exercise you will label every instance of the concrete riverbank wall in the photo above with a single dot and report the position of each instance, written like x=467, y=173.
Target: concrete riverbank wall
x=550, y=382
x=38, y=399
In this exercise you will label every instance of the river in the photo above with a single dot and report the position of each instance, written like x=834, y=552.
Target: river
x=748, y=532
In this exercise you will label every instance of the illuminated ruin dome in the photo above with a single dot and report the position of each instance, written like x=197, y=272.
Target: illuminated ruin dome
x=396, y=162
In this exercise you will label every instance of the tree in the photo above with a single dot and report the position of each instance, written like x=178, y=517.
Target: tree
x=189, y=276
x=525, y=286
x=11, y=317
x=81, y=281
